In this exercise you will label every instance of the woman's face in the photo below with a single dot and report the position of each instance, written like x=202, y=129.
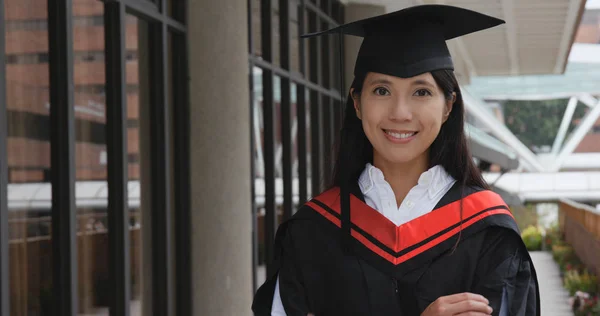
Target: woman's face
x=401, y=116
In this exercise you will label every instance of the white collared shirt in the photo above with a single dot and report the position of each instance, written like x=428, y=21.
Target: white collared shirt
x=421, y=199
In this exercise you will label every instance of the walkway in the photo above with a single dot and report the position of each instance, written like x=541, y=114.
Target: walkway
x=555, y=299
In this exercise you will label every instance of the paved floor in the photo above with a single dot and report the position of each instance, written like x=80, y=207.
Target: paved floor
x=554, y=298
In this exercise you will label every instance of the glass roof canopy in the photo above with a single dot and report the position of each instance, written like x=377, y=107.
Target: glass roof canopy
x=579, y=78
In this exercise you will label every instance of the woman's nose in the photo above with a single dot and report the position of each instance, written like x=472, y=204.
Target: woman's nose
x=400, y=111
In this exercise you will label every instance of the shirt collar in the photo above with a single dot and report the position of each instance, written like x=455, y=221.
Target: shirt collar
x=434, y=180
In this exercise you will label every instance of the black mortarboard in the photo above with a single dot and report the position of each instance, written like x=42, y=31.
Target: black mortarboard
x=411, y=41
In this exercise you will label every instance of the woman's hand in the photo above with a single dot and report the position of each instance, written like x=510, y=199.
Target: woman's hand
x=463, y=304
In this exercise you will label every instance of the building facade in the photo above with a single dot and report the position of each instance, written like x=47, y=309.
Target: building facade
x=150, y=148
x=91, y=97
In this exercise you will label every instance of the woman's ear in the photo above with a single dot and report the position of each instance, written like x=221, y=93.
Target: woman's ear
x=448, y=107
x=356, y=101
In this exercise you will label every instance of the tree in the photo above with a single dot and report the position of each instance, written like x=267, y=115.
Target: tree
x=536, y=123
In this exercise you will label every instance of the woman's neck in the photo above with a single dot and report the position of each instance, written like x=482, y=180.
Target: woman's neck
x=401, y=177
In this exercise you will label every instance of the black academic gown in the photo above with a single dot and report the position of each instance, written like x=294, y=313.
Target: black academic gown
x=399, y=271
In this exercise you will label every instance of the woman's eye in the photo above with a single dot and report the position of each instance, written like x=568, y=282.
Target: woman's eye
x=423, y=93
x=382, y=91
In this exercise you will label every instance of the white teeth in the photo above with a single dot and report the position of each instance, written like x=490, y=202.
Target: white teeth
x=400, y=135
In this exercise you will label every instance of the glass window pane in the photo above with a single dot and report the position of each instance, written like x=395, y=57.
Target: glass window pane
x=90, y=158
x=278, y=147
x=138, y=143
x=294, y=37
x=294, y=99
x=28, y=151
x=256, y=30
x=276, y=38
x=176, y=10
x=259, y=171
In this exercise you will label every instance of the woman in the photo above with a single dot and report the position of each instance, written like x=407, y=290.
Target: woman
x=409, y=226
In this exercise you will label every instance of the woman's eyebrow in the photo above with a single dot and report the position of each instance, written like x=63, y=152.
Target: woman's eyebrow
x=419, y=82
x=379, y=81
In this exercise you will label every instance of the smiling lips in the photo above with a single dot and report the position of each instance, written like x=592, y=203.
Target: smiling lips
x=399, y=137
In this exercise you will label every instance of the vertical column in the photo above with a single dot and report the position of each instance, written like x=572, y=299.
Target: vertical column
x=116, y=148
x=315, y=104
x=268, y=131
x=221, y=248
x=181, y=178
x=301, y=112
x=62, y=152
x=354, y=12
x=160, y=148
x=286, y=108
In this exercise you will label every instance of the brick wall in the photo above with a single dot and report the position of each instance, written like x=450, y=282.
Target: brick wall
x=28, y=84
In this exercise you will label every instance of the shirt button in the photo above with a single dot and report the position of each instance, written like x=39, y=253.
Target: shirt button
x=409, y=204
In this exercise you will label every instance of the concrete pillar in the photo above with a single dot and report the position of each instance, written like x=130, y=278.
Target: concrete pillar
x=355, y=12
x=220, y=175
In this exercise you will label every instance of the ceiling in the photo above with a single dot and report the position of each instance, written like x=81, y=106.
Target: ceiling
x=536, y=38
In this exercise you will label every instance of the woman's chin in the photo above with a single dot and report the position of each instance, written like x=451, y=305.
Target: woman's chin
x=399, y=159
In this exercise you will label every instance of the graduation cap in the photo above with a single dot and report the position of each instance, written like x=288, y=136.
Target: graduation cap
x=411, y=41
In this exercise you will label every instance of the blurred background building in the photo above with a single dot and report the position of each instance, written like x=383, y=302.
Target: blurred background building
x=150, y=148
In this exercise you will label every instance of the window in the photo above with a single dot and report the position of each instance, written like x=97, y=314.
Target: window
x=295, y=108
x=58, y=136
x=29, y=166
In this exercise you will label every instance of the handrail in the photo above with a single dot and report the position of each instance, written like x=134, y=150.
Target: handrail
x=585, y=215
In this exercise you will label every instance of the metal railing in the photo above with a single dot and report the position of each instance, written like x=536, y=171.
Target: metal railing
x=581, y=226
x=30, y=252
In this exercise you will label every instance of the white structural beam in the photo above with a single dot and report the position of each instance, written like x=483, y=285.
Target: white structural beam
x=477, y=108
x=580, y=131
x=525, y=165
x=574, y=161
x=511, y=36
x=539, y=97
x=549, y=186
x=588, y=100
x=564, y=125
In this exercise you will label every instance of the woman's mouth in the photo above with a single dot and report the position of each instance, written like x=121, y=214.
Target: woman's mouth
x=400, y=137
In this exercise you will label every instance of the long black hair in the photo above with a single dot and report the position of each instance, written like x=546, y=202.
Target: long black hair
x=450, y=148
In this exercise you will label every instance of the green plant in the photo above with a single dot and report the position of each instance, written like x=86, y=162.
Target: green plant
x=595, y=308
x=585, y=305
x=585, y=282
x=525, y=216
x=565, y=257
x=553, y=237
x=532, y=237
x=562, y=253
